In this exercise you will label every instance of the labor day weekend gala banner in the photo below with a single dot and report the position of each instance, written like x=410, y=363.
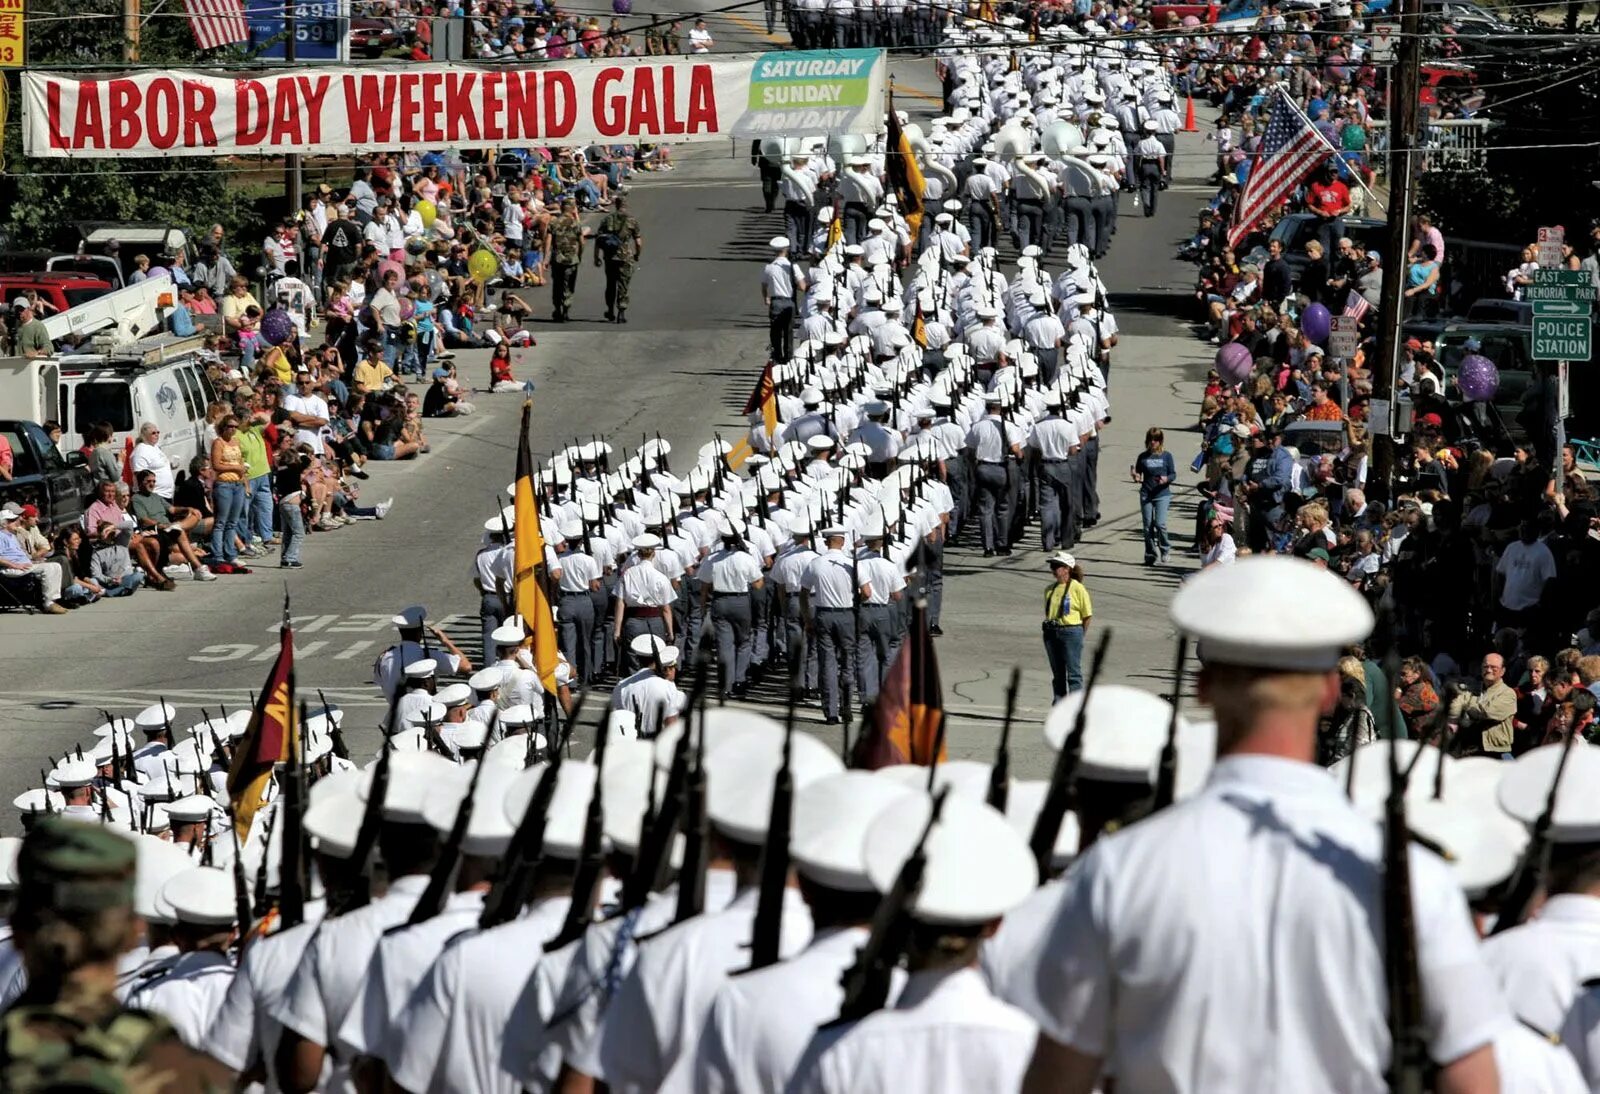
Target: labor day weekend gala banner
x=337, y=110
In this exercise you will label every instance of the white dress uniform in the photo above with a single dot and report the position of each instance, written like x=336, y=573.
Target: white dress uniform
x=188, y=994
x=646, y=694
x=1531, y=1064
x=1542, y=963
x=244, y=1030
x=401, y=960
x=388, y=672
x=447, y=1039
x=518, y=685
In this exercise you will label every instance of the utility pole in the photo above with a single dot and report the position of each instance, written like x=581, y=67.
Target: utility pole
x=1405, y=93
x=291, y=162
x=130, y=31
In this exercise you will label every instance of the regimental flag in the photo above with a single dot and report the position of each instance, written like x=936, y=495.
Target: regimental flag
x=217, y=23
x=1356, y=306
x=765, y=399
x=907, y=717
x=1291, y=148
x=905, y=174
x=269, y=739
x=835, y=227
x=530, y=584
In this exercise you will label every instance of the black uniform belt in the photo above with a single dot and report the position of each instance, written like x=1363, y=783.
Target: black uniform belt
x=719, y=596
x=1063, y=459
x=835, y=610
x=643, y=613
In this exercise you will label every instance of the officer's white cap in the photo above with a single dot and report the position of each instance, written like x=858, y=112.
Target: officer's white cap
x=722, y=725
x=739, y=776
x=820, y=443
x=988, y=311
x=832, y=531
x=1272, y=612
x=1032, y=250
x=488, y=829
x=779, y=243
x=155, y=716
x=193, y=809
x=125, y=725
x=507, y=634
x=811, y=396
x=410, y=617
x=1368, y=782
x=1123, y=732
x=1024, y=799
x=569, y=805
x=159, y=861
x=518, y=716
x=411, y=775
x=978, y=868
x=431, y=714
x=202, y=895
x=966, y=778
x=72, y=774
x=1150, y=127
x=421, y=670
x=1525, y=789
x=646, y=541
x=831, y=818
x=944, y=218
x=38, y=800
x=334, y=812
x=485, y=679
x=454, y=695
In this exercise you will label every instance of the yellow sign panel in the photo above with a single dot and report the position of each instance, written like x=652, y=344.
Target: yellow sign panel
x=11, y=40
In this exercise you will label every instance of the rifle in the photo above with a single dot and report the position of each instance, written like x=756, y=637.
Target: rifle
x=116, y=761
x=166, y=720
x=432, y=901
x=655, y=840
x=1536, y=858
x=1408, y=1058
x=866, y=982
x=696, y=822
x=291, y=813
x=241, y=889
x=1167, y=773
x=1000, y=773
x=508, y=598
x=1064, y=778
x=259, y=897
x=340, y=749
x=360, y=893
x=505, y=898
x=767, y=930
x=587, y=878
x=855, y=636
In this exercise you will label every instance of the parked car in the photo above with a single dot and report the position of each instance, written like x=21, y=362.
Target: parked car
x=373, y=37
x=1494, y=310
x=59, y=290
x=41, y=476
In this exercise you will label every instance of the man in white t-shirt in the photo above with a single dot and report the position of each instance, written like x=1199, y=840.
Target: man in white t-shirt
x=148, y=456
x=700, y=40
x=1525, y=568
x=308, y=411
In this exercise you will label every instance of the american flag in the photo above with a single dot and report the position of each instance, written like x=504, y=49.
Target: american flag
x=1291, y=149
x=217, y=22
x=1356, y=306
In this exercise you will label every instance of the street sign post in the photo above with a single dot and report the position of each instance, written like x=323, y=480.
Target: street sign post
x=1549, y=246
x=1562, y=338
x=1560, y=292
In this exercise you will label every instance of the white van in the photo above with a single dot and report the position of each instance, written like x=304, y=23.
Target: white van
x=173, y=393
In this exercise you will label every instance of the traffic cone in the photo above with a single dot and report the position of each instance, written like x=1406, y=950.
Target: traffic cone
x=1189, y=124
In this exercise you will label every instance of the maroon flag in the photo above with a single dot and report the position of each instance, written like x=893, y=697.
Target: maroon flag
x=907, y=722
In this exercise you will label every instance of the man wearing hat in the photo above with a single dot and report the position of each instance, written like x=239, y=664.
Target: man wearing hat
x=579, y=578
x=729, y=577
x=1150, y=166
x=832, y=591
x=492, y=576
x=645, y=594
x=994, y=443
x=73, y=919
x=1121, y=968
x=189, y=991
x=388, y=671
x=781, y=286
x=15, y=560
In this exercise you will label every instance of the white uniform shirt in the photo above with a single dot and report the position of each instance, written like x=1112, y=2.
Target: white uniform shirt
x=244, y=1030
x=652, y=1028
x=831, y=581
x=1310, y=870
x=730, y=571
x=1530, y=1064
x=447, y=1038
x=1054, y=438
x=518, y=685
x=945, y=1034
x=646, y=695
x=1542, y=963
x=188, y=995
x=791, y=566
x=493, y=567
x=991, y=439
x=389, y=671
x=779, y=280
x=577, y=571
x=400, y=962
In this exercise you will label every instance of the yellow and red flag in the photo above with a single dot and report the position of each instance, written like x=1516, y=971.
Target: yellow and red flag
x=529, y=583
x=269, y=739
x=765, y=398
x=905, y=173
x=907, y=717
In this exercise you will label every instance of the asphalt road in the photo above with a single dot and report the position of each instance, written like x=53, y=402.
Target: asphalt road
x=682, y=366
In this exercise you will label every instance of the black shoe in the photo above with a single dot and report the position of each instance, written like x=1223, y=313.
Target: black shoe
x=610, y=317
x=936, y=630
x=988, y=553
x=291, y=565
x=622, y=317
x=831, y=720
x=1005, y=551
x=360, y=474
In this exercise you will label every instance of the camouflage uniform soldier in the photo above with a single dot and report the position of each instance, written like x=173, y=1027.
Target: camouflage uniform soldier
x=619, y=243
x=566, y=251
x=74, y=918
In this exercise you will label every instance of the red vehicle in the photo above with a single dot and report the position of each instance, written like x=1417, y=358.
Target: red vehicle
x=59, y=290
x=1449, y=76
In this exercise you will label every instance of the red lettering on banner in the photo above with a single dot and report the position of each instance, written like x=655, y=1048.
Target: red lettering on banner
x=609, y=122
x=369, y=102
x=409, y=87
x=643, y=113
x=313, y=89
x=493, y=128
x=89, y=124
x=253, y=114
x=52, y=113
x=670, y=121
x=460, y=119
x=285, y=114
x=702, y=100
x=199, y=104
x=560, y=103
x=432, y=107
x=522, y=105
x=161, y=113
x=123, y=113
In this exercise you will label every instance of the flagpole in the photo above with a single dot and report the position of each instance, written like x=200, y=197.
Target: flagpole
x=1327, y=143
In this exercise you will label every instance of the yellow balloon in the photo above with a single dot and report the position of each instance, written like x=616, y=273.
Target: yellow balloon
x=483, y=264
x=428, y=211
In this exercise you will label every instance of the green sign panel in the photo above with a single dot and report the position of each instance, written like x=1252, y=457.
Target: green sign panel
x=1562, y=277
x=1560, y=292
x=1560, y=338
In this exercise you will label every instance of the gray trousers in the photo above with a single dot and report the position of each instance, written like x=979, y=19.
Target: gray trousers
x=794, y=635
x=603, y=648
x=632, y=627
x=1091, y=485
x=731, y=623
x=1058, y=504
x=490, y=612
x=875, y=647
x=836, y=654
x=577, y=633
x=994, y=509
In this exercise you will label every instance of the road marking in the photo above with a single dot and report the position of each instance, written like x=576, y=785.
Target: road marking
x=351, y=651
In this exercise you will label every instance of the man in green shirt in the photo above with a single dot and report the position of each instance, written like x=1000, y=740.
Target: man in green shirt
x=32, y=338
x=167, y=524
x=566, y=251
x=258, y=491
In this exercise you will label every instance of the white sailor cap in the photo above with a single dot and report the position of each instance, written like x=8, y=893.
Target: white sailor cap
x=334, y=811
x=831, y=818
x=721, y=725
x=485, y=680
x=978, y=868
x=966, y=778
x=1481, y=844
x=739, y=777
x=192, y=809
x=646, y=541
x=944, y=218
x=569, y=805
x=987, y=311
x=1123, y=732
x=39, y=800
x=421, y=669
x=71, y=774
x=454, y=695
x=407, y=618
x=512, y=751
x=1032, y=250
x=411, y=775
x=631, y=774
x=1364, y=774
x=779, y=243
x=431, y=714
x=1525, y=790
x=158, y=861
x=1024, y=799
x=1150, y=126
x=1271, y=612
x=509, y=633
x=155, y=716
x=202, y=895
x=832, y=531
x=519, y=716
x=489, y=831
x=820, y=443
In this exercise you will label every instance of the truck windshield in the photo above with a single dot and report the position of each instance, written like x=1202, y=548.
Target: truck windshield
x=83, y=296
x=102, y=402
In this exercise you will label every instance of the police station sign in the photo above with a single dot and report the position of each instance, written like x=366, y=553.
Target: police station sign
x=332, y=111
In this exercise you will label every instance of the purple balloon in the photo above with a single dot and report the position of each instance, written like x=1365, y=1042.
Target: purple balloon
x=1235, y=363
x=1315, y=322
x=277, y=327
x=1479, y=379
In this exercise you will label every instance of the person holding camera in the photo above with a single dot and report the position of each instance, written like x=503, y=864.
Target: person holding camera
x=1067, y=613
